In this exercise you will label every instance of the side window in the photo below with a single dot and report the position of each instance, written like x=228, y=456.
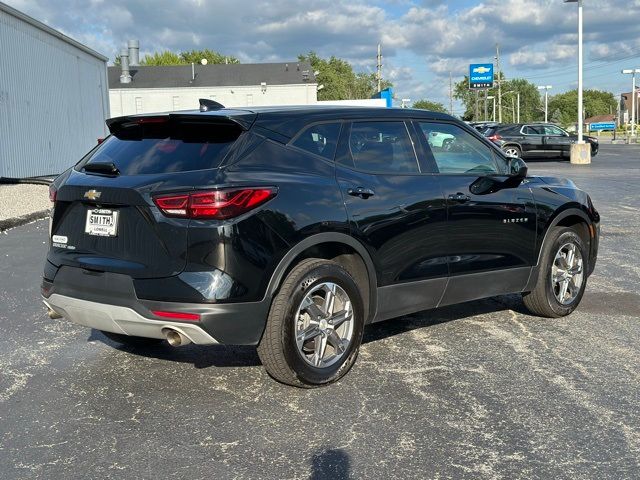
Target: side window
x=551, y=130
x=320, y=139
x=382, y=147
x=457, y=151
x=530, y=130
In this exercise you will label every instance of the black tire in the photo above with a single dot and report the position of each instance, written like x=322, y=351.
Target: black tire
x=516, y=150
x=131, y=340
x=278, y=350
x=542, y=300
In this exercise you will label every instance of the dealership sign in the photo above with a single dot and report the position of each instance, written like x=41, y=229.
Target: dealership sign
x=481, y=75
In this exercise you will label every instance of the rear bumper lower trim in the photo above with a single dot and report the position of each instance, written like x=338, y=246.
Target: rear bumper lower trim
x=123, y=320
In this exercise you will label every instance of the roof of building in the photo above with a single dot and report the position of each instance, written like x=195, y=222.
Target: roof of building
x=51, y=31
x=600, y=118
x=218, y=75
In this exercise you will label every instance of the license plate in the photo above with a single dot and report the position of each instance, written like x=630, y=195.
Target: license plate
x=102, y=223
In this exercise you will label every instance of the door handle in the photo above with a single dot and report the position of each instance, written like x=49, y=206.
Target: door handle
x=361, y=192
x=459, y=197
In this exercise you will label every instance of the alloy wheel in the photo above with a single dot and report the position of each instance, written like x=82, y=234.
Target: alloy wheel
x=324, y=325
x=567, y=273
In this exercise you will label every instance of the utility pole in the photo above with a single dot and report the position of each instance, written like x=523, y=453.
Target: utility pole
x=450, y=94
x=379, y=68
x=499, y=83
x=546, y=89
x=477, y=115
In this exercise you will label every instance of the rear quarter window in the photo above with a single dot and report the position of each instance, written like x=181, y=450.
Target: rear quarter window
x=166, y=147
x=320, y=139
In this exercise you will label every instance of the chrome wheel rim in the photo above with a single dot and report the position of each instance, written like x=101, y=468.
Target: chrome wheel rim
x=511, y=152
x=567, y=273
x=324, y=325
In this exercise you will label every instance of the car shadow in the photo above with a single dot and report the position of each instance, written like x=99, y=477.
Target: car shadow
x=205, y=356
x=428, y=318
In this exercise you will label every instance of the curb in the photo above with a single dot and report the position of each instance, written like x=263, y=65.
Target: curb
x=22, y=220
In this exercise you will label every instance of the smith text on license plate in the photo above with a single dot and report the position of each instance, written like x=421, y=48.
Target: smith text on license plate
x=102, y=222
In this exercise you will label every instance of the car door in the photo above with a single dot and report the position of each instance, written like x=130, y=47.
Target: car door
x=396, y=211
x=533, y=143
x=491, y=219
x=557, y=141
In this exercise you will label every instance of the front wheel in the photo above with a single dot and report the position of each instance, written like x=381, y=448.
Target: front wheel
x=315, y=324
x=562, y=278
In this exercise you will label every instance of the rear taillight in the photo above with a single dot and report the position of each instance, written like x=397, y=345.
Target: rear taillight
x=494, y=137
x=53, y=193
x=214, y=204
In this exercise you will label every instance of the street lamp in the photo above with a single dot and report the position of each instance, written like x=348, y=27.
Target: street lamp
x=632, y=72
x=546, y=89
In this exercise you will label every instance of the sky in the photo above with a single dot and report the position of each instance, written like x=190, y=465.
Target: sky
x=422, y=41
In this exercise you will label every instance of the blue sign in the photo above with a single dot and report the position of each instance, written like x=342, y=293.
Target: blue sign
x=602, y=126
x=481, y=75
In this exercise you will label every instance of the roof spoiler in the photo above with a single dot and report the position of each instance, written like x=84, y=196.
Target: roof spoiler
x=116, y=124
x=207, y=105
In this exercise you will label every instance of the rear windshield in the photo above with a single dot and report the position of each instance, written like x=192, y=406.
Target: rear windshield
x=164, y=147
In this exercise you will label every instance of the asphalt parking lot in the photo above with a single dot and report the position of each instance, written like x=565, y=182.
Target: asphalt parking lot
x=480, y=390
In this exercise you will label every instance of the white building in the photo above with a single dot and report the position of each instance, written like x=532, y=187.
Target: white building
x=148, y=89
x=53, y=97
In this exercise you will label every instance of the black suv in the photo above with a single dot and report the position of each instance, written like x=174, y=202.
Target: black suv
x=292, y=228
x=525, y=140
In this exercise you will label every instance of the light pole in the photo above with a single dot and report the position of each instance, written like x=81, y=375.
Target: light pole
x=492, y=97
x=580, y=103
x=632, y=72
x=546, y=89
x=518, y=96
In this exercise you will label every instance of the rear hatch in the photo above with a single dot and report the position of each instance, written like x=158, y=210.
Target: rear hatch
x=104, y=216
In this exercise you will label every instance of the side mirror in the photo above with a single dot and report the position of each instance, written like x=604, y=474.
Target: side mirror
x=517, y=168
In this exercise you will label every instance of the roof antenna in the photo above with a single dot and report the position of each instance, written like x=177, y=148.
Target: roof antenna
x=207, y=105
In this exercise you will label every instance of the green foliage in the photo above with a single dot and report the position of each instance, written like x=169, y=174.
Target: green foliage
x=183, y=58
x=530, y=105
x=195, y=56
x=162, y=58
x=429, y=105
x=596, y=102
x=340, y=81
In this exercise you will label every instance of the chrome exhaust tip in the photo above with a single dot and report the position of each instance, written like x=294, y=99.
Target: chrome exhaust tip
x=175, y=338
x=51, y=312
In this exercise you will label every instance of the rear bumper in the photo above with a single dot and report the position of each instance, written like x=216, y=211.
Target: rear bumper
x=108, y=301
x=123, y=320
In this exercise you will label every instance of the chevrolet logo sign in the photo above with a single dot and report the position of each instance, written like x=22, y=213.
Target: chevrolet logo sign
x=92, y=194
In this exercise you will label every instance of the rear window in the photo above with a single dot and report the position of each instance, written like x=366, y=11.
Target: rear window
x=165, y=147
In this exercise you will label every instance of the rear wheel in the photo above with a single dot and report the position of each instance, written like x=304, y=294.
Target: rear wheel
x=512, y=151
x=315, y=324
x=562, y=277
x=131, y=340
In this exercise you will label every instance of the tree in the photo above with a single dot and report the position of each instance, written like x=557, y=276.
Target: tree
x=429, y=105
x=168, y=57
x=530, y=106
x=596, y=102
x=339, y=80
x=195, y=56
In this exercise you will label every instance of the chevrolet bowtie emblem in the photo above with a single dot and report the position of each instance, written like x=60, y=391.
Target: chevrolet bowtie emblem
x=92, y=194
